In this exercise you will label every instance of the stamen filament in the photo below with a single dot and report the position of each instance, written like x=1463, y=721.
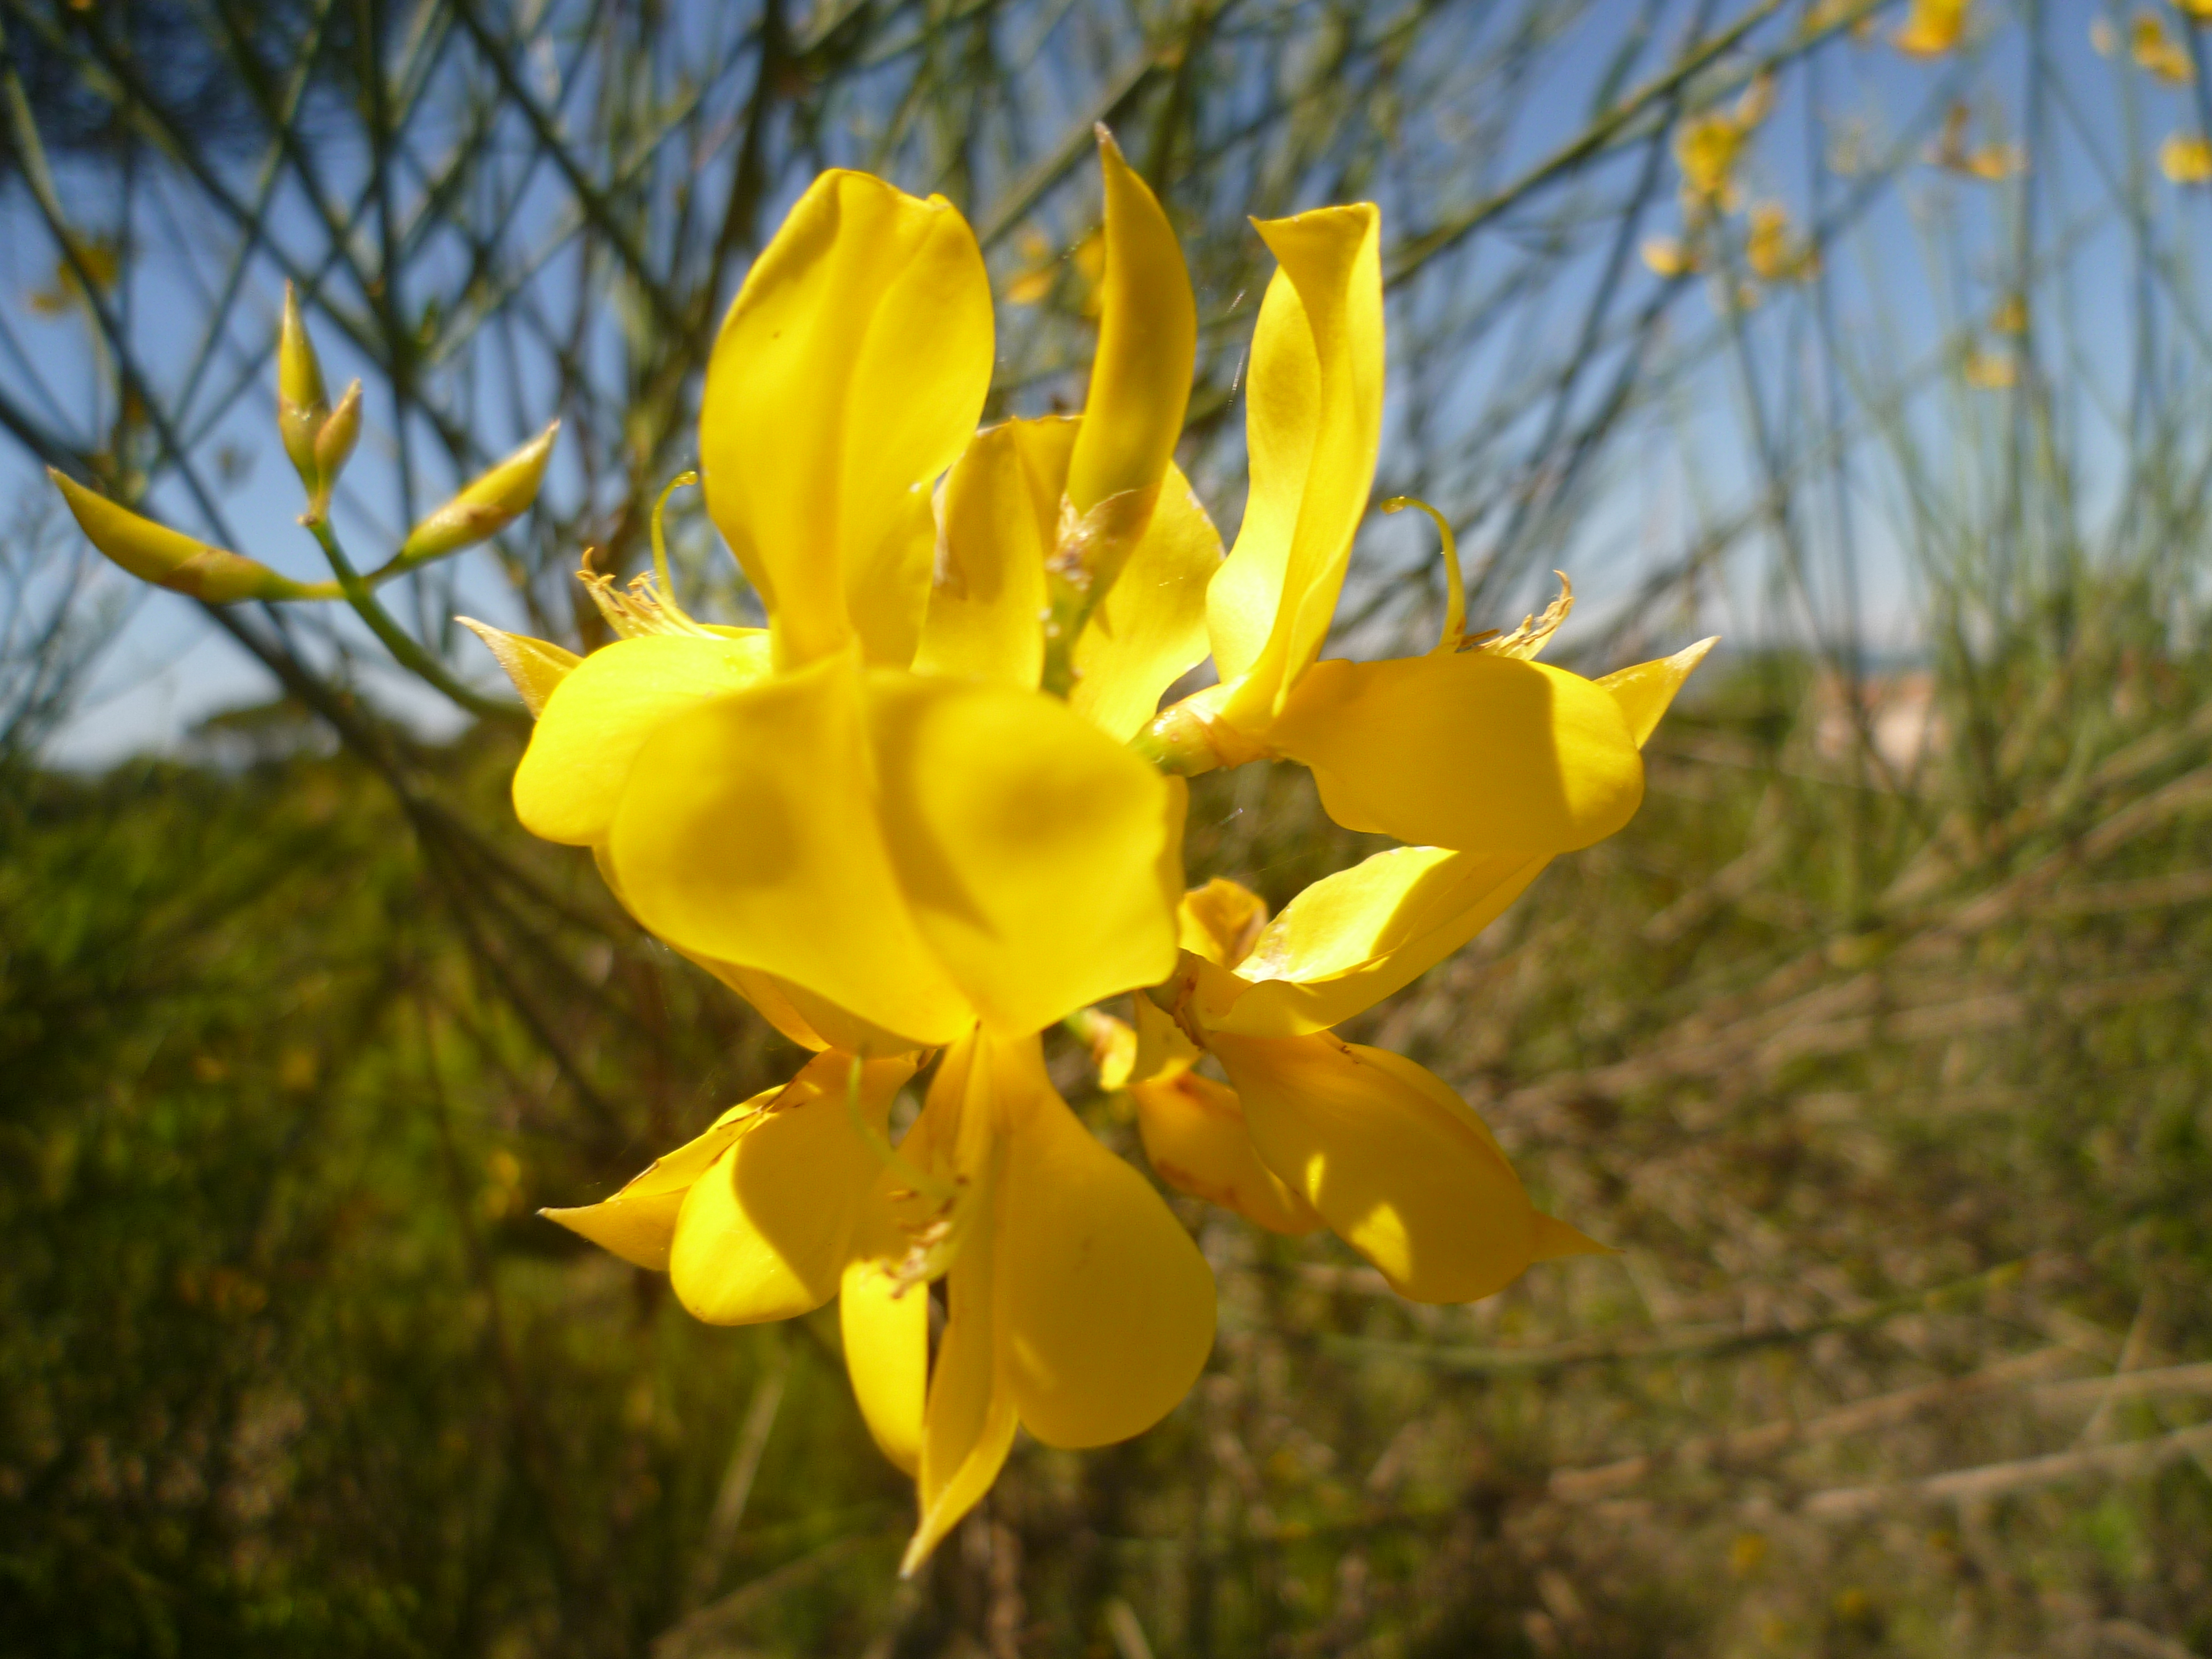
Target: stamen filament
x=937, y=1191
x=660, y=546
x=1455, y=634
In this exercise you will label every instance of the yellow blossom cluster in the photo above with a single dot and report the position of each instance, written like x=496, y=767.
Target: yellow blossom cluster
x=933, y=810
x=1709, y=152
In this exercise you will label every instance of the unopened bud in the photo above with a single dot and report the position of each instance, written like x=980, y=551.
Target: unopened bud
x=302, y=405
x=486, y=506
x=333, y=448
x=167, y=558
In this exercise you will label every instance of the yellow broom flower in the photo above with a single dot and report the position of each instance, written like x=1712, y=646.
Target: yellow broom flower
x=1077, y=1306
x=1541, y=761
x=2155, y=51
x=1932, y=27
x=2185, y=158
x=1314, y=1130
x=798, y=807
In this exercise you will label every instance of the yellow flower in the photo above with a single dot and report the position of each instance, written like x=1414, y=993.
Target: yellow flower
x=1314, y=1130
x=1991, y=371
x=796, y=807
x=2156, y=51
x=1773, y=253
x=1072, y=553
x=1077, y=1304
x=1666, y=256
x=1932, y=27
x=1541, y=760
x=2186, y=158
x=755, y=1219
x=1033, y=283
x=1709, y=148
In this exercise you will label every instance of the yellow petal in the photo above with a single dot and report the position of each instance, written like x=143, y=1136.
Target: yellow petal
x=1395, y=1161
x=1162, y=1049
x=1472, y=751
x=604, y=712
x=1147, y=346
x=1644, y=690
x=1932, y=27
x=1282, y=403
x=1332, y=259
x=1194, y=1135
x=771, y=999
x=1041, y=859
x=1000, y=518
x=750, y=834
x=1554, y=1238
x=1352, y=938
x=638, y=1224
x=1221, y=921
x=1113, y=1046
x=766, y=1232
x=968, y=1426
x=1104, y=1305
x=920, y=852
x=1150, y=630
x=536, y=666
x=885, y=1331
x=848, y=373
x=810, y=1021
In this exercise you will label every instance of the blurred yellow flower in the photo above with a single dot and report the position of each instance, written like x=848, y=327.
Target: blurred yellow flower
x=2155, y=51
x=2186, y=158
x=1040, y=270
x=1042, y=264
x=2010, y=316
x=1665, y=256
x=1709, y=148
x=1932, y=27
x=1991, y=371
x=1774, y=253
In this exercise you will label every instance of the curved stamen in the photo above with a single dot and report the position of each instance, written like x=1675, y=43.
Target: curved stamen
x=1455, y=634
x=660, y=546
x=932, y=1188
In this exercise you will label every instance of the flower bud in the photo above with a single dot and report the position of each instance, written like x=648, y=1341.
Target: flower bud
x=334, y=445
x=169, y=559
x=486, y=506
x=302, y=405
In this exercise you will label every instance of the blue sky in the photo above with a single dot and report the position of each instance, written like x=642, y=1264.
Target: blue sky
x=1925, y=264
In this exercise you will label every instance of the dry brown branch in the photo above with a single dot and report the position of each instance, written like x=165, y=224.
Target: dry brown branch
x=2134, y=1457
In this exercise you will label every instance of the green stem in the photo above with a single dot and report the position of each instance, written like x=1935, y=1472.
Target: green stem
x=403, y=647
